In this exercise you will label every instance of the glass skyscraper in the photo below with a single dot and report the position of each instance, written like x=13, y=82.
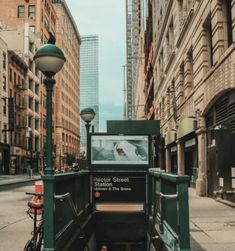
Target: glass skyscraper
x=89, y=81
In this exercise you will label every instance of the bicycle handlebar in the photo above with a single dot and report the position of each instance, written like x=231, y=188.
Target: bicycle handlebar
x=62, y=196
x=34, y=194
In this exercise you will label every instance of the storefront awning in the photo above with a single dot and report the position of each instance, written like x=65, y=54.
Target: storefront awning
x=170, y=137
x=186, y=126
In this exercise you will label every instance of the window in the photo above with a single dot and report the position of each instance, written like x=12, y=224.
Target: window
x=4, y=83
x=188, y=72
x=31, y=103
x=10, y=74
x=46, y=24
x=31, y=11
x=228, y=15
x=14, y=78
x=44, y=122
x=30, y=122
x=37, y=89
x=5, y=133
x=37, y=107
x=21, y=11
x=31, y=84
x=208, y=30
x=4, y=107
x=4, y=60
x=37, y=124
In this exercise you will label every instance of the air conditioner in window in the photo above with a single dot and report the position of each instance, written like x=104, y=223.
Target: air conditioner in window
x=32, y=16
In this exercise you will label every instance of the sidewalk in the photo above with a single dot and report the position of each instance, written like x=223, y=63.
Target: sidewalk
x=6, y=180
x=212, y=224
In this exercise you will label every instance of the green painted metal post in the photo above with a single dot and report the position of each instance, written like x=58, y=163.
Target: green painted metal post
x=49, y=232
x=183, y=216
x=49, y=59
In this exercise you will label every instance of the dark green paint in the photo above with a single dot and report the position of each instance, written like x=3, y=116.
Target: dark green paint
x=49, y=50
x=134, y=127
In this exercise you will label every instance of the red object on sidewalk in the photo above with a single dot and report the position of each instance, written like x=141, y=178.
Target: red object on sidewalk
x=38, y=189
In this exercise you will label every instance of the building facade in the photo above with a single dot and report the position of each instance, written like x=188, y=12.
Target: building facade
x=89, y=94
x=4, y=137
x=67, y=89
x=26, y=25
x=133, y=29
x=194, y=89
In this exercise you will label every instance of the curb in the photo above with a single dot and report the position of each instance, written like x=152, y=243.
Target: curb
x=14, y=184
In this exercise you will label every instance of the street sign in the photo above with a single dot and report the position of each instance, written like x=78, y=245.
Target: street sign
x=119, y=188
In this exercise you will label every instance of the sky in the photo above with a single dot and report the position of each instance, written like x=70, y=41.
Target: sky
x=105, y=18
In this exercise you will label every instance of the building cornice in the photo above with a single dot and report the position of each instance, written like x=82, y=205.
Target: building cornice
x=66, y=8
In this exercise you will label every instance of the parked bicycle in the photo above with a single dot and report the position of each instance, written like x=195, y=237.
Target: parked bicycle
x=36, y=242
x=35, y=206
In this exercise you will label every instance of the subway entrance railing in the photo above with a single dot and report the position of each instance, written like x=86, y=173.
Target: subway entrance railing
x=119, y=201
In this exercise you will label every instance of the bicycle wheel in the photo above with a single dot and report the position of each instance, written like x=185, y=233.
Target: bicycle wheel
x=39, y=238
x=39, y=245
x=29, y=246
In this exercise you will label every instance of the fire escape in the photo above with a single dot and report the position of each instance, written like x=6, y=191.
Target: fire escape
x=149, y=82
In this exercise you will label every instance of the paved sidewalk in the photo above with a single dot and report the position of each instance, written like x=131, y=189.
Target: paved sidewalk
x=212, y=224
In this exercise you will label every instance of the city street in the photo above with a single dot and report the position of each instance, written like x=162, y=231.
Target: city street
x=15, y=225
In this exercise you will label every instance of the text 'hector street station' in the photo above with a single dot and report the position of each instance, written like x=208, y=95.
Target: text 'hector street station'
x=111, y=183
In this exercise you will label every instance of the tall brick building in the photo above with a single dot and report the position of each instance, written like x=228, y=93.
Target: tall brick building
x=194, y=90
x=25, y=26
x=67, y=88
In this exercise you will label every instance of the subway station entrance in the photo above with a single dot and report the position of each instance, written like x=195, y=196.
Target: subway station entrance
x=119, y=202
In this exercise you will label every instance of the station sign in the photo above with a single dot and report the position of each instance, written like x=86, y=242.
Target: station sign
x=119, y=188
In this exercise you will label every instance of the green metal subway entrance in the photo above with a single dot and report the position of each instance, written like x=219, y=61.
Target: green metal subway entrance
x=119, y=202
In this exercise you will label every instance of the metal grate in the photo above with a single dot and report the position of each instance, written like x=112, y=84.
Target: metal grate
x=232, y=124
x=221, y=110
x=209, y=121
x=231, y=110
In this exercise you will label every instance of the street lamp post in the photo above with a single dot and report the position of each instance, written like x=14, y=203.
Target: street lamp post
x=49, y=59
x=87, y=115
x=29, y=136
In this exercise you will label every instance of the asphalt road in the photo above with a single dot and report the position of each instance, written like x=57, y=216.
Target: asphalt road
x=15, y=225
